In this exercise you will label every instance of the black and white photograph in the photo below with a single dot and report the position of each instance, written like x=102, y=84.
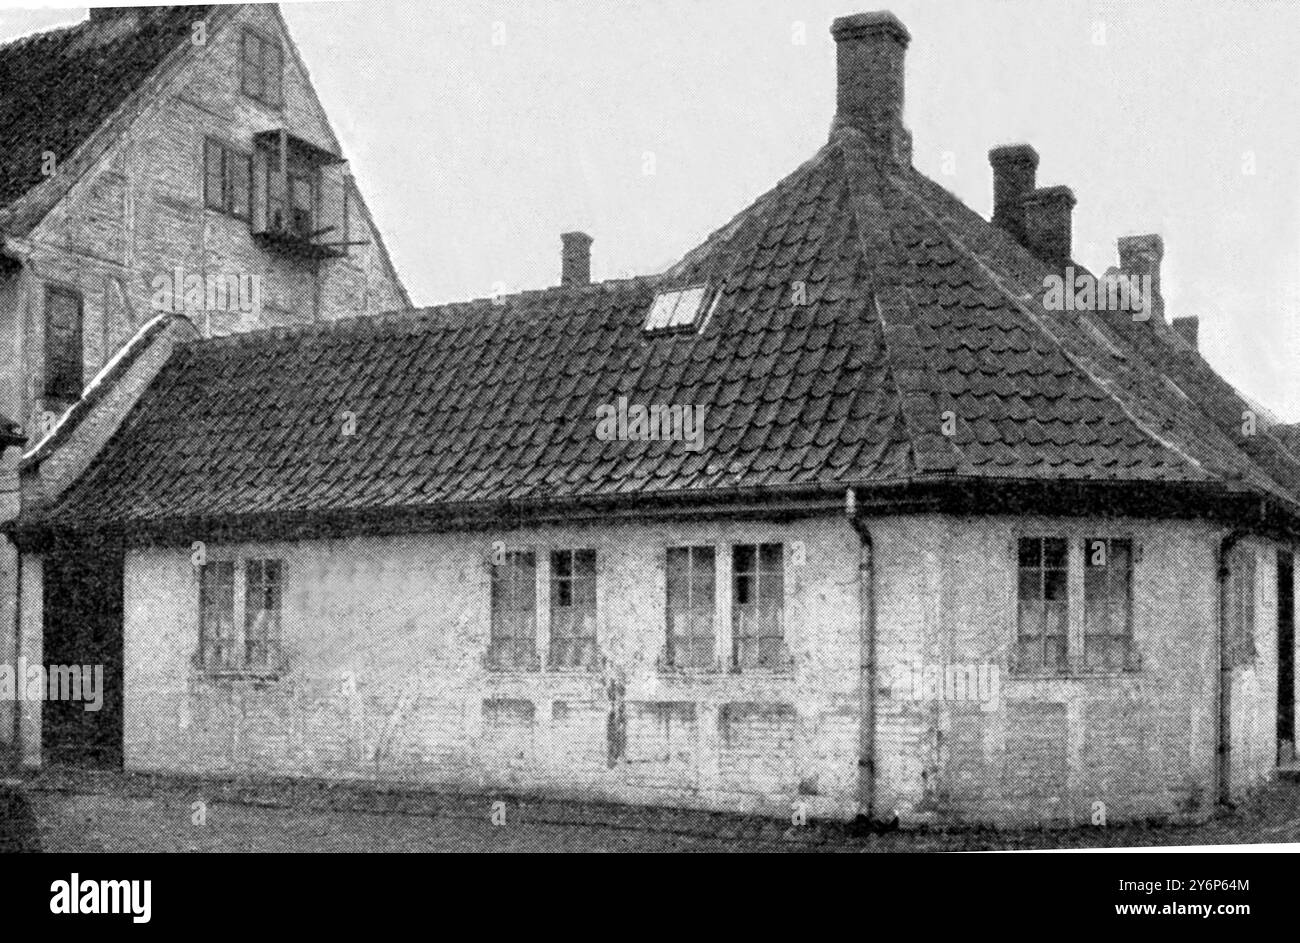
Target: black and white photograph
x=641, y=426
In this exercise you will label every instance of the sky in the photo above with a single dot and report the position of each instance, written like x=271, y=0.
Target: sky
x=479, y=130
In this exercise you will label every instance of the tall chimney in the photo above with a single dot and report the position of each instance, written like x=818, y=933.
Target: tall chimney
x=1014, y=168
x=869, y=53
x=1141, y=256
x=575, y=259
x=1048, y=231
x=1187, y=328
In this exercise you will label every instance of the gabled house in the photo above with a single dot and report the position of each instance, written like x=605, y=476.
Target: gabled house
x=157, y=161
x=840, y=514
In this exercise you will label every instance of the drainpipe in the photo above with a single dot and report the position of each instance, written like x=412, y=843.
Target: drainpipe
x=1222, y=693
x=16, y=741
x=867, y=681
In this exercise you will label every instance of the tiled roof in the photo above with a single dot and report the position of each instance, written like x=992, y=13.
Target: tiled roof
x=58, y=87
x=861, y=306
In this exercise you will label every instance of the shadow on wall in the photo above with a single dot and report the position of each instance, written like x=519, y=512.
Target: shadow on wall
x=18, y=831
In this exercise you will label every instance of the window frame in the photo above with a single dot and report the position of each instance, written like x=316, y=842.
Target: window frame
x=270, y=633
x=227, y=177
x=575, y=648
x=69, y=383
x=225, y=643
x=701, y=648
x=773, y=653
x=254, y=72
x=513, y=645
x=1020, y=665
x=1242, y=603
x=1125, y=639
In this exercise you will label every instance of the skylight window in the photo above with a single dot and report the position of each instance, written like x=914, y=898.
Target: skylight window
x=675, y=309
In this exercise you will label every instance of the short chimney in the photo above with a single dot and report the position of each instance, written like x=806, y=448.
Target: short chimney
x=1187, y=328
x=1141, y=256
x=1048, y=232
x=1014, y=169
x=575, y=259
x=869, y=52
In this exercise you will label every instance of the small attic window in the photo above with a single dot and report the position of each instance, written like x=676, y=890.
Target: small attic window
x=676, y=310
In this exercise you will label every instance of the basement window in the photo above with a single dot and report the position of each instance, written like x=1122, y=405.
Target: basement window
x=676, y=310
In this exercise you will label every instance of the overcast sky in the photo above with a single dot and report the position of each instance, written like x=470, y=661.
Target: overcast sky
x=479, y=131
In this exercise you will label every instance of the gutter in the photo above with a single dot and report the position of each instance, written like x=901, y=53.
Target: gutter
x=867, y=648
x=1223, y=682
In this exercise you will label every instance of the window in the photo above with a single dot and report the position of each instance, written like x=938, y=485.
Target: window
x=262, y=593
x=222, y=650
x=218, y=646
x=227, y=179
x=262, y=69
x=63, y=364
x=1108, y=605
x=573, y=609
x=514, y=612
x=690, y=584
x=675, y=309
x=1240, y=607
x=758, y=606
x=1043, y=619
x=302, y=192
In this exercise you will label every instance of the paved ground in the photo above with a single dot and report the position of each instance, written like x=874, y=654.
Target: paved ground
x=77, y=813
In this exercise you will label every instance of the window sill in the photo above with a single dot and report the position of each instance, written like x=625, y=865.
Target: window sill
x=1097, y=675
x=255, y=676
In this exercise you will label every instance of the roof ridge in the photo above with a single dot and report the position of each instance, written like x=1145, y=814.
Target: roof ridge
x=423, y=318
x=895, y=310
x=1042, y=326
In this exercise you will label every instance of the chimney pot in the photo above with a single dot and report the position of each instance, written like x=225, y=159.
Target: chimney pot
x=1015, y=167
x=869, y=53
x=1187, y=328
x=575, y=258
x=1048, y=231
x=1141, y=256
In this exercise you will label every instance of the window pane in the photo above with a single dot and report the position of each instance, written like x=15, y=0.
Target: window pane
x=1054, y=552
x=63, y=358
x=1031, y=552
x=240, y=172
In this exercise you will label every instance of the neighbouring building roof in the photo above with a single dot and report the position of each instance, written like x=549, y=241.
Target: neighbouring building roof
x=58, y=87
x=913, y=307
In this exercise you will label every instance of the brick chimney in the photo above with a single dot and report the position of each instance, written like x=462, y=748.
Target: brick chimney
x=1187, y=328
x=1141, y=256
x=869, y=52
x=575, y=259
x=1014, y=169
x=1048, y=231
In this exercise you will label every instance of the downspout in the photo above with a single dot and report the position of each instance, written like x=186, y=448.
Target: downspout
x=867, y=648
x=17, y=732
x=1222, y=692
